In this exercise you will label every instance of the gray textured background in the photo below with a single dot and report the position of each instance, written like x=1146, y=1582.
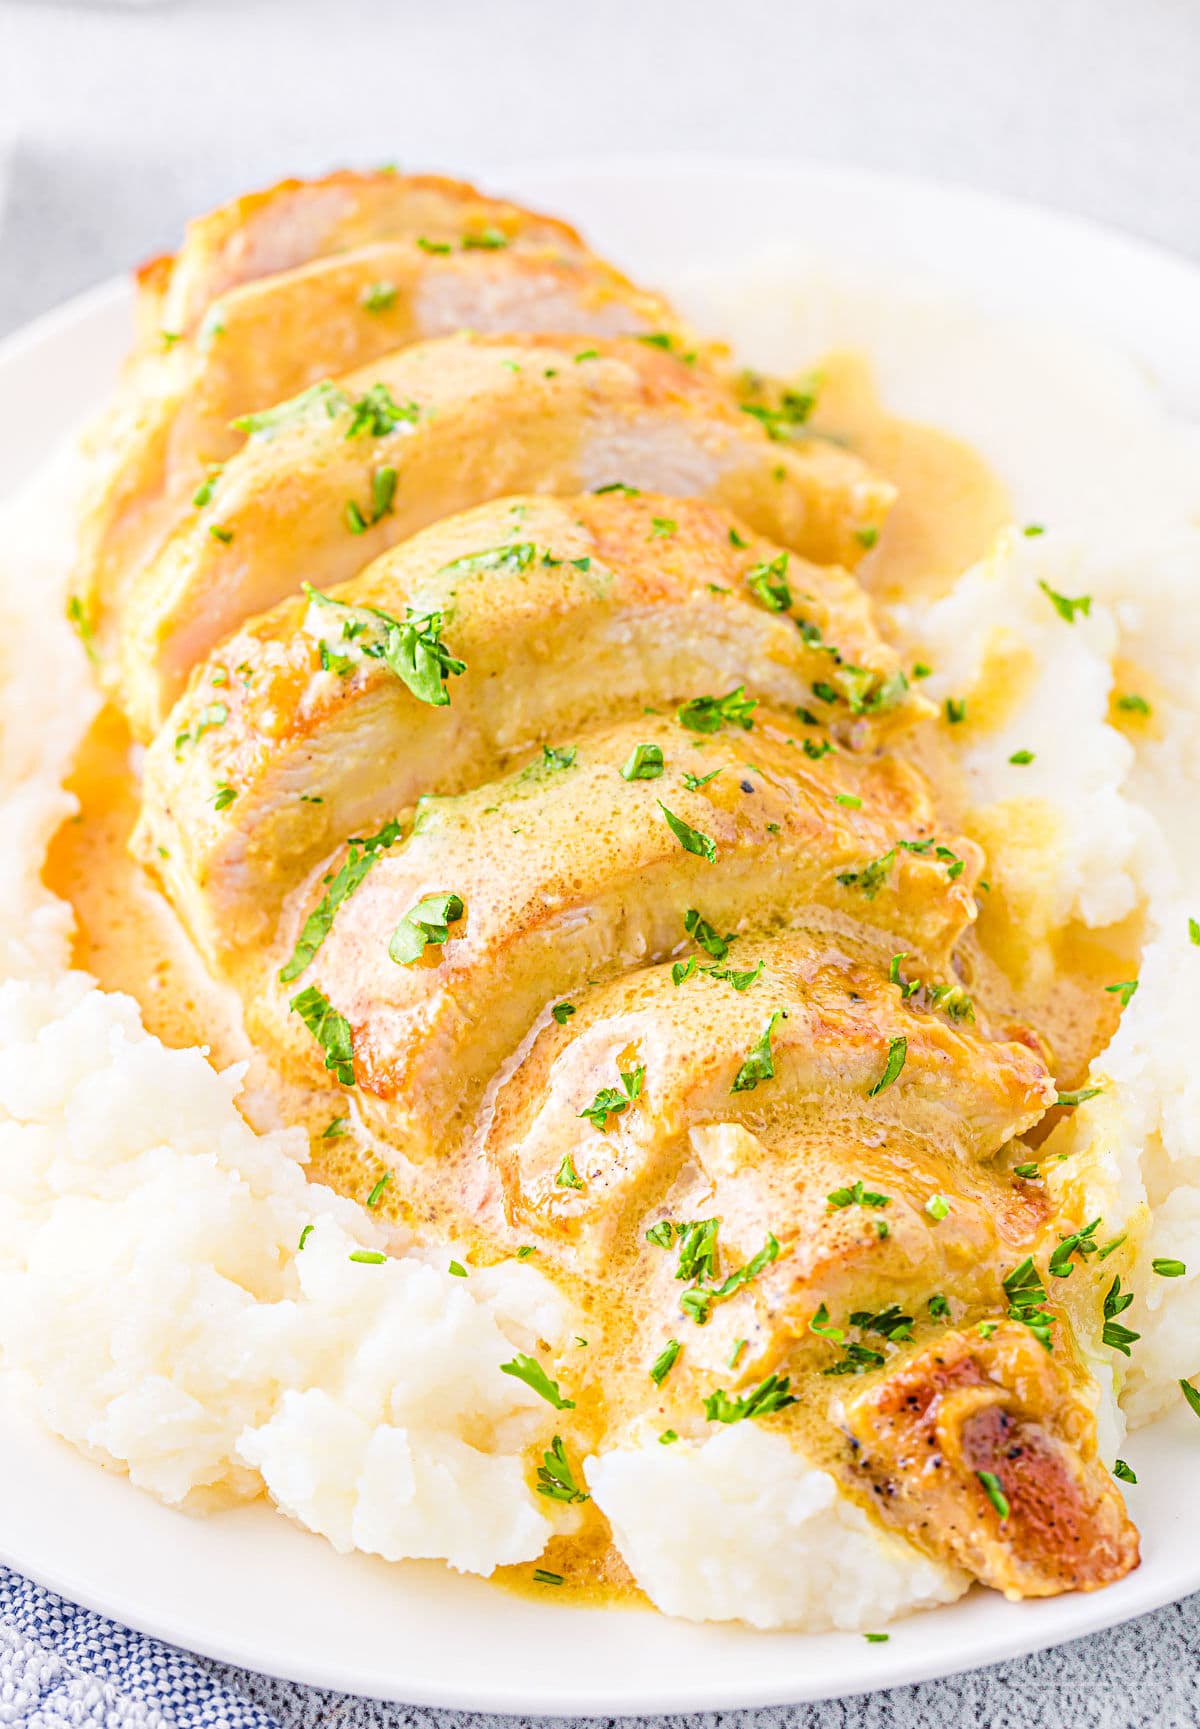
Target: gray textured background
x=117, y=122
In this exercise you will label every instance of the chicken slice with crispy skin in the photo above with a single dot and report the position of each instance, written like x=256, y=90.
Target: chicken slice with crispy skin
x=327, y=484
x=770, y=1145
x=566, y=613
x=569, y=870
x=983, y=1451
x=272, y=337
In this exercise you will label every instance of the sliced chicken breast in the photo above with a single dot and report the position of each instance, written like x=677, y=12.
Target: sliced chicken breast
x=297, y=221
x=272, y=337
x=565, y=612
x=816, y=1015
x=332, y=480
x=572, y=869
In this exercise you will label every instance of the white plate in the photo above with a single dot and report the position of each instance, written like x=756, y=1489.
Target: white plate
x=247, y=1586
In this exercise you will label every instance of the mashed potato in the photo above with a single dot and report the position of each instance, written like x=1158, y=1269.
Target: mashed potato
x=219, y=1359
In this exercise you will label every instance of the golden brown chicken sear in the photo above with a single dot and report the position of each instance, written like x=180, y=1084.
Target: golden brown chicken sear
x=983, y=1449
x=565, y=612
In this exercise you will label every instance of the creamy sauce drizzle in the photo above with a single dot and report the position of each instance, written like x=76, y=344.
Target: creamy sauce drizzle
x=949, y=509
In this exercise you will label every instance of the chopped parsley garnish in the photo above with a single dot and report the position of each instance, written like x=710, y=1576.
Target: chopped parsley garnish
x=1131, y=703
x=375, y=414
x=331, y=1030
x=426, y=923
x=82, y=625
x=850, y=800
x=994, y=1492
x=268, y=421
x=213, y=714
x=510, y=559
x=218, y=531
x=768, y=584
x=889, y=1323
x=529, y=1370
x=1064, y=606
x=611, y=1101
x=203, y=493
x=378, y=296
x=769, y=1396
x=1021, y=758
x=665, y=1361
x=383, y=492
x=554, y=756
x=319, y=923
x=335, y=1128
x=710, y=713
x=1030, y=1172
x=938, y=1306
x=1026, y=1296
x=684, y=970
x=709, y=939
x=1115, y=1303
x=377, y=1193
x=1080, y=1096
x=562, y=1012
x=524, y=1252
x=871, y=878
x=1166, y=1268
x=224, y=795
x=541, y=1576
x=867, y=537
x=692, y=840
x=1082, y=1243
x=815, y=749
x=1194, y=932
x=741, y=981
x=1032, y=529
x=1191, y=1395
x=759, y=1065
x=662, y=527
x=783, y=423
x=857, y=1360
x=1124, y=1473
x=856, y=1195
x=432, y=246
x=897, y=1052
x=567, y=1177
x=488, y=239
x=555, y=1477
x=1125, y=991
x=411, y=647
x=693, y=782
x=697, y=1249
x=644, y=762
x=938, y=1208
x=663, y=1234
x=698, y=1301
x=956, y=710
x=305, y=1234
x=368, y=1257
x=457, y=1270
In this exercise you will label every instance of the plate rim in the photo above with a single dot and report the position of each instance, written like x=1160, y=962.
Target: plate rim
x=1147, y=1590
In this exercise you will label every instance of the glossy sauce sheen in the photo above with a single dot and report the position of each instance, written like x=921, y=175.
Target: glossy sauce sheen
x=949, y=509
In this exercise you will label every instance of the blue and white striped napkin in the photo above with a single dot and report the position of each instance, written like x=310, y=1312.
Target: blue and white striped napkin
x=62, y=1667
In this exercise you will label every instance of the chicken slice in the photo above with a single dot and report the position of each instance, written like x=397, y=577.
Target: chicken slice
x=567, y=870
x=345, y=472
x=566, y=613
x=769, y=1152
x=297, y=221
x=983, y=1451
x=274, y=336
